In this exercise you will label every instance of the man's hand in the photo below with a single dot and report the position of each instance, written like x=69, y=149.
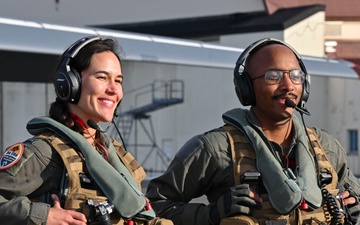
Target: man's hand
x=238, y=200
x=60, y=216
x=350, y=199
x=347, y=198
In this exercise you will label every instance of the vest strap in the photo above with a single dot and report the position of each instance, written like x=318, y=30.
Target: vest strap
x=115, y=181
x=286, y=194
x=243, y=157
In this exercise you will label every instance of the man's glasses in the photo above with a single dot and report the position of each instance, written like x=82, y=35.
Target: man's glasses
x=276, y=76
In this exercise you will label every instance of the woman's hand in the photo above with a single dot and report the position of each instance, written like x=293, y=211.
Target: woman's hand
x=60, y=216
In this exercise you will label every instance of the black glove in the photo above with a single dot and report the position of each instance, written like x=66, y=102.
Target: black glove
x=235, y=201
x=352, y=193
x=352, y=211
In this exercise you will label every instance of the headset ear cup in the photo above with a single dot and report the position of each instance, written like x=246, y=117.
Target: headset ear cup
x=306, y=92
x=62, y=86
x=244, y=89
x=75, y=87
x=67, y=86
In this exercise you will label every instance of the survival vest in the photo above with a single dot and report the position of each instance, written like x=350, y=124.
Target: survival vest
x=244, y=159
x=113, y=179
x=86, y=198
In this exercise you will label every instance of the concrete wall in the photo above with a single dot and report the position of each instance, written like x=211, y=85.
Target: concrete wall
x=21, y=102
x=208, y=93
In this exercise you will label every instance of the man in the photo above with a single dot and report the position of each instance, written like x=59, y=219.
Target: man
x=260, y=168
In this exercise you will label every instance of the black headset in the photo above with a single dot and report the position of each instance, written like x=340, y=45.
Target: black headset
x=243, y=83
x=68, y=80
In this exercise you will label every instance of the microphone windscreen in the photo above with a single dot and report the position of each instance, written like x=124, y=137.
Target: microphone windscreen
x=290, y=103
x=92, y=124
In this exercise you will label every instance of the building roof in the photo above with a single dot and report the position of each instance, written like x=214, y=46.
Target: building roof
x=23, y=41
x=280, y=14
x=335, y=9
x=199, y=27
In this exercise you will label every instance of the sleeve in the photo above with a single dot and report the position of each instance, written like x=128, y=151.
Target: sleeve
x=338, y=159
x=21, y=210
x=201, y=167
x=24, y=179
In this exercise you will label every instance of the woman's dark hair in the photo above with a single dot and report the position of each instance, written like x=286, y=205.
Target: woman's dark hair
x=58, y=109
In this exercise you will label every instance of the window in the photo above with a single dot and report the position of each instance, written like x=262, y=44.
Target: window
x=353, y=141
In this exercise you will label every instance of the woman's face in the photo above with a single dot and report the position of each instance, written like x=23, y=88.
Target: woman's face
x=101, y=89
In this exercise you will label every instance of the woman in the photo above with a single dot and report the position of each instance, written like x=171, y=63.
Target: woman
x=71, y=172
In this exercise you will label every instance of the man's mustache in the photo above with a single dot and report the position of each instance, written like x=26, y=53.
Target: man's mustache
x=290, y=94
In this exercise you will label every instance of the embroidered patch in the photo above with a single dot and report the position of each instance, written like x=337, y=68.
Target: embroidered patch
x=11, y=156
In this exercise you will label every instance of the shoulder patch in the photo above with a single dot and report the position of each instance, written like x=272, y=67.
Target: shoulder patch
x=11, y=156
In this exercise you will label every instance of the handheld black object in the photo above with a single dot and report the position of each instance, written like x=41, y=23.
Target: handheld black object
x=252, y=178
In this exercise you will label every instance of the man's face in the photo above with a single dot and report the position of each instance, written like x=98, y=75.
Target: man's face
x=270, y=98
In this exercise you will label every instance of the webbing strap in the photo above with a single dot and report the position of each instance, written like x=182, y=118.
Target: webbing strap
x=117, y=184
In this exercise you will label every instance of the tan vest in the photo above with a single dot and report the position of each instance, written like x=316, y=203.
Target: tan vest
x=244, y=159
x=77, y=195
